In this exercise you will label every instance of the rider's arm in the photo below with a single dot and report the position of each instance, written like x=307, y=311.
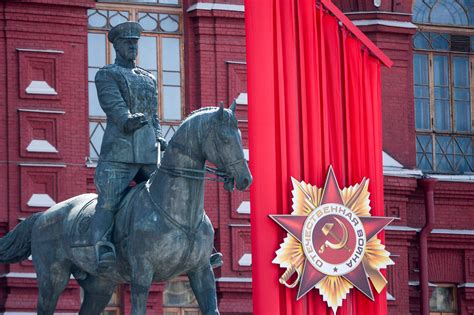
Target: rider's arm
x=111, y=99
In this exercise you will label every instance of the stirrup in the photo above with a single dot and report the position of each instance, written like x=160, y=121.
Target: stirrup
x=216, y=260
x=110, y=249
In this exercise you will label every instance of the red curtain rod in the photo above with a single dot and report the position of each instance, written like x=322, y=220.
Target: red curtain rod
x=357, y=32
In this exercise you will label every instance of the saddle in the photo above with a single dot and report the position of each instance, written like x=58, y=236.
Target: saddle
x=83, y=213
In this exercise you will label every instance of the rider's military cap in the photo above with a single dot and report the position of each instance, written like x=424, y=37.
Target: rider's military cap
x=125, y=30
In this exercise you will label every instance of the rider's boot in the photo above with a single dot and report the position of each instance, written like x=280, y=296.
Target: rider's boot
x=102, y=225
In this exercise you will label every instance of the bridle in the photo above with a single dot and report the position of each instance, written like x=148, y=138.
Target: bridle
x=200, y=174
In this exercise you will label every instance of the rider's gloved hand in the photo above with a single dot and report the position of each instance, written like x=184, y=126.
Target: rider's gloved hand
x=134, y=122
x=163, y=143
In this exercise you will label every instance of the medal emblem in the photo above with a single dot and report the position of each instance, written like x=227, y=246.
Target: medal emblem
x=332, y=242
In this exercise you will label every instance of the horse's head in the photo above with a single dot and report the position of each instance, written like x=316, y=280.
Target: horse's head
x=223, y=148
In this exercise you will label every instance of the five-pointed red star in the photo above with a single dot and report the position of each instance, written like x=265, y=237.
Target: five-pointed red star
x=293, y=224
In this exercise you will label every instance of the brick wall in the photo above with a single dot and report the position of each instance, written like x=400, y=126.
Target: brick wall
x=43, y=41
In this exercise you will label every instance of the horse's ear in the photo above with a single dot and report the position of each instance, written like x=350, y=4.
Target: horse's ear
x=233, y=106
x=220, y=112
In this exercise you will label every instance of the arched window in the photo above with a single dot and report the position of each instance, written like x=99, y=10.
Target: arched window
x=444, y=12
x=443, y=85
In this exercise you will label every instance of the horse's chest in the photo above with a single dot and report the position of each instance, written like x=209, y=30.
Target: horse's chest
x=178, y=252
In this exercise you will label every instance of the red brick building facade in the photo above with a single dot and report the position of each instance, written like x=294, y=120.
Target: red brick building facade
x=51, y=131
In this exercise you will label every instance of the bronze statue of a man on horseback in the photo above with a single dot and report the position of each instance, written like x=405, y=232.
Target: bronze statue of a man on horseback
x=130, y=235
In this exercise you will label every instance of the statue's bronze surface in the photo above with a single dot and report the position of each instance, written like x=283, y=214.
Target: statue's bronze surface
x=161, y=229
x=128, y=96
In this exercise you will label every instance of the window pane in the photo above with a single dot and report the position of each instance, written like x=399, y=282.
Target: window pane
x=117, y=17
x=444, y=153
x=442, y=115
x=170, y=54
x=147, y=57
x=91, y=74
x=169, y=23
x=94, y=107
x=96, y=49
x=97, y=18
x=422, y=101
x=422, y=113
x=461, y=71
x=448, y=12
x=171, y=78
x=440, y=41
x=462, y=116
x=149, y=21
x=442, y=300
x=462, y=108
x=441, y=74
x=420, y=41
x=96, y=132
x=171, y=103
x=424, y=150
x=442, y=95
x=420, y=64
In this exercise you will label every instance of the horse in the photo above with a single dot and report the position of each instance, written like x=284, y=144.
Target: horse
x=161, y=230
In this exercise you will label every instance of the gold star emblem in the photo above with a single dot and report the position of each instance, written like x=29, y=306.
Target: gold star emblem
x=332, y=242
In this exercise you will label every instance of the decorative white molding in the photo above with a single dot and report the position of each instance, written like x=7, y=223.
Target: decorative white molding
x=50, y=51
x=43, y=111
x=390, y=297
x=42, y=146
x=455, y=178
x=392, y=167
x=23, y=275
x=246, y=154
x=417, y=283
x=239, y=225
x=216, y=6
x=41, y=200
x=245, y=260
x=389, y=161
x=466, y=285
x=42, y=164
x=452, y=232
x=242, y=99
x=391, y=23
x=378, y=12
x=40, y=87
x=401, y=228
x=233, y=279
x=244, y=208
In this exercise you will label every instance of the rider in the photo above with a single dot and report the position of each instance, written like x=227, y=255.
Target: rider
x=128, y=96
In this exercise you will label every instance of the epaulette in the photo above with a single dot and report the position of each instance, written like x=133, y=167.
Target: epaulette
x=144, y=71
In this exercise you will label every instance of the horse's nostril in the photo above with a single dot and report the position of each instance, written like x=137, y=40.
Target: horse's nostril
x=246, y=182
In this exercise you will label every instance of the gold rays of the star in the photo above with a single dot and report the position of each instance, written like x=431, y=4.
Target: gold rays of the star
x=334, y=289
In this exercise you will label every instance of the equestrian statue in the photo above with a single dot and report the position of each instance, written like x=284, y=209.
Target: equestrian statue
x=152, y=232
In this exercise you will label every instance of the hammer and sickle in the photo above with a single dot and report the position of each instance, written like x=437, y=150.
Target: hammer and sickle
x=341, y=242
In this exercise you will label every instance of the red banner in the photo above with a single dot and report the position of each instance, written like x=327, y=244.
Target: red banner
x=314, y=101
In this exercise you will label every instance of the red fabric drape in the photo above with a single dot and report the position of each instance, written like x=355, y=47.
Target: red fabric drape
x=314, y=100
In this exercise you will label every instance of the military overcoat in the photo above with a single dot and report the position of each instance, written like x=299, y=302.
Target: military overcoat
x=123, y=91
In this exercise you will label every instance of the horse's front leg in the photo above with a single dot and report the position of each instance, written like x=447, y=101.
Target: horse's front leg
x=142, y=277
x=204, y=288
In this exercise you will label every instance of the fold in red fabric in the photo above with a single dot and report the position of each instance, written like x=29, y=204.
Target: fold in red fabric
x=314, y=101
